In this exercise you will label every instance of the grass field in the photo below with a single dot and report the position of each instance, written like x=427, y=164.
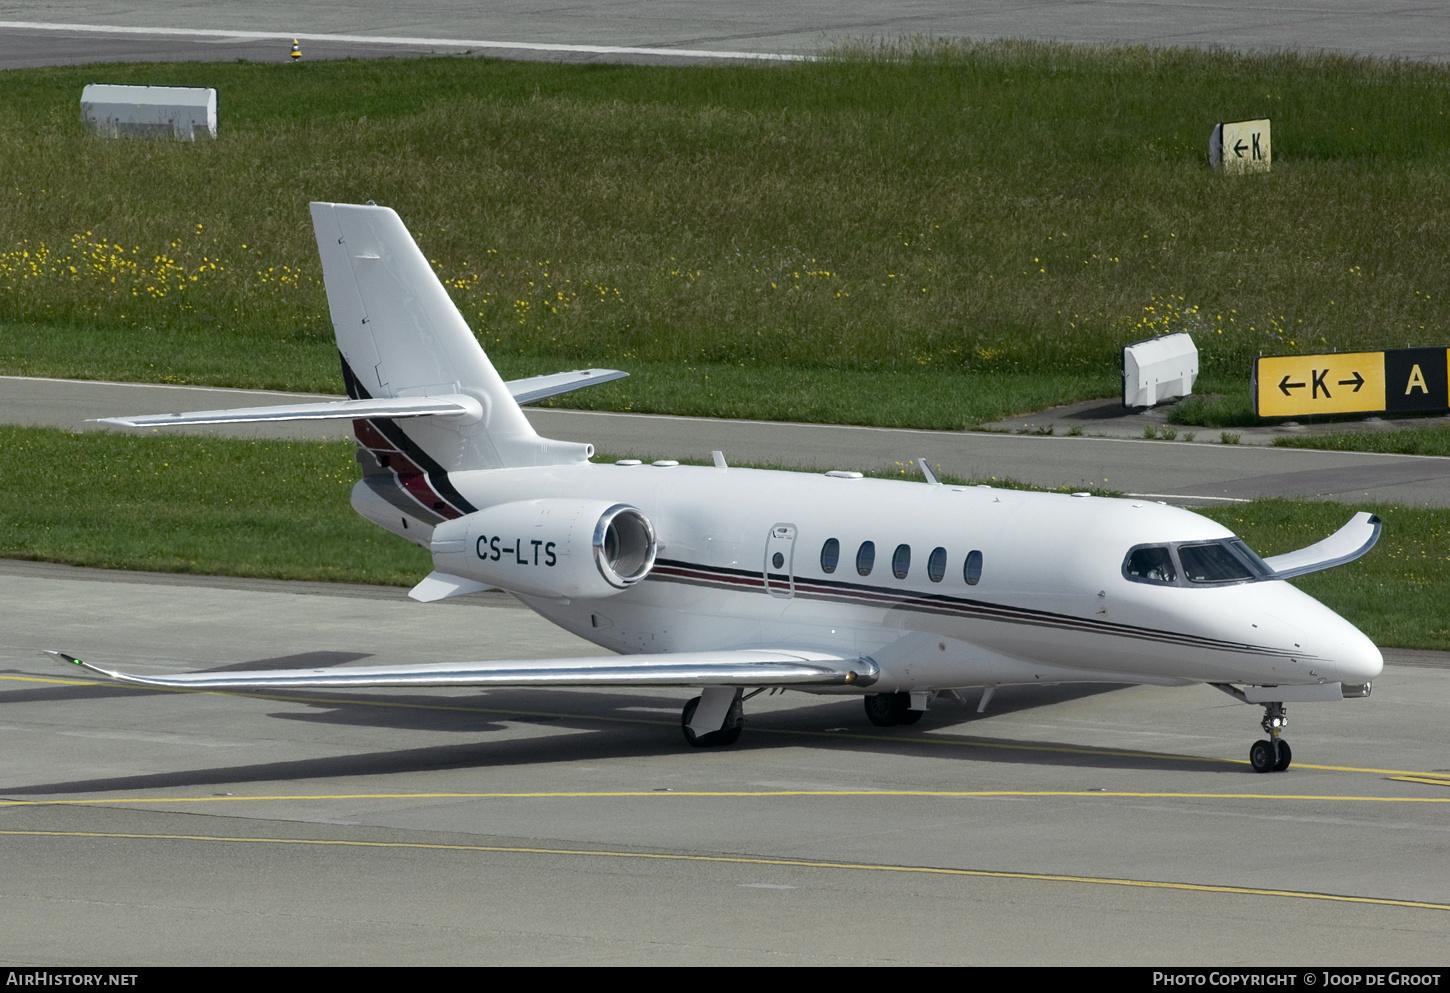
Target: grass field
x=929, y=236
x=280, y=509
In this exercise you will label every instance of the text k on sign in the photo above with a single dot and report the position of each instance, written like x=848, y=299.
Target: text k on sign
x=1397, y=379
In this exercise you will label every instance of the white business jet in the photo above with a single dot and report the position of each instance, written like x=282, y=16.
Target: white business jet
x=741, y=581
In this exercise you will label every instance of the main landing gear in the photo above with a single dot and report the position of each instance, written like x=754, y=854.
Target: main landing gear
x=890, y=709
x=723, y=714
x=1273, y=755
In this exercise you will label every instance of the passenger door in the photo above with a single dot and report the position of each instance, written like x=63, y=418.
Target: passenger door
x=779, y=569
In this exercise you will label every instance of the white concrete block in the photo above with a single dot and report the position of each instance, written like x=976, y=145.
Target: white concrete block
x=183, y=112
x=1159, y=369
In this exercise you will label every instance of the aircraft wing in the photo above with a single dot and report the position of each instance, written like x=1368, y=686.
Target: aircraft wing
x=742, y=667
x=529, y=390
x=1344, y=545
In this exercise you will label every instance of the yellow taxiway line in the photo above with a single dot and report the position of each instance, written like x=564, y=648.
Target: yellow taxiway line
x=732, y=794
x=749, y=860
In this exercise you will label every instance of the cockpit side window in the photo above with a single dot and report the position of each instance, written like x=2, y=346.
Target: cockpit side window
x=1151, y=564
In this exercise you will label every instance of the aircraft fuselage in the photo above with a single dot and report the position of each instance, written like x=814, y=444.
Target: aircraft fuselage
x=744, y=560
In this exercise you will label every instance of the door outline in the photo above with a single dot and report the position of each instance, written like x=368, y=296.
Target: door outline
x=780, y=580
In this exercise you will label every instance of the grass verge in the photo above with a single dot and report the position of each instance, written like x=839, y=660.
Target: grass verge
x=222, y=507
x=1404, y=441
x=280, y=510
x=844, y=219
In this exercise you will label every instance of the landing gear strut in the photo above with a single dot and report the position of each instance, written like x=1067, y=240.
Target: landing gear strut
x=1273, y=755
x=729, y=731
x=890, y=709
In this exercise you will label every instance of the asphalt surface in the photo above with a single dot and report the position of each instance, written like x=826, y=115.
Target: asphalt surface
x=1067, y=825
x=1176, y=472
x=1413, y=30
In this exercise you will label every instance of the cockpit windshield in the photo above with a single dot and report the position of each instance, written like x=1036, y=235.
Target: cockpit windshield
x=1227, y=560
x=1212, y=563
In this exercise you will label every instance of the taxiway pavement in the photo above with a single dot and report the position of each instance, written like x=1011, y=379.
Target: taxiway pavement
x=1176, y=472
x=1068, y=825
x=75, y=31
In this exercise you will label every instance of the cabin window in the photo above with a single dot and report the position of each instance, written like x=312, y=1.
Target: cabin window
x=1213, y=562
x=972, y=571
x=936, y=565
x=901, y=561
x=866, y=557
x=830, y=555
x=1152, y=564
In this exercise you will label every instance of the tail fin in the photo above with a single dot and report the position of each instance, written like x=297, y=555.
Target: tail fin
x=399, y=335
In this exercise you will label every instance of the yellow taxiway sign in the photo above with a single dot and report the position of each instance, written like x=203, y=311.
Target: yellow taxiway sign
x=1398, y=379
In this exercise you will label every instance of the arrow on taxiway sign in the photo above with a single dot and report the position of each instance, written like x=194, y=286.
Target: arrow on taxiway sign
x=1239, y=151
x=1285, y=386
x=1356, y=382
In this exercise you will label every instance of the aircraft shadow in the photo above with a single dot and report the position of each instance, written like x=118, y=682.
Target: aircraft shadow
x=613, y=737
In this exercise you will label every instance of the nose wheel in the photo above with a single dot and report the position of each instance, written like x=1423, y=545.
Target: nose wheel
x=1273, y=755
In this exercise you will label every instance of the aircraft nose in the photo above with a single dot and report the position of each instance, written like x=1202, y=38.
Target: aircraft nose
x=1355, y=658
x=1337, y=650
x=1358, y=659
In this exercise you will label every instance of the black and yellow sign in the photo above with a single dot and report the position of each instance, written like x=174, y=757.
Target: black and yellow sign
x=1398, y=379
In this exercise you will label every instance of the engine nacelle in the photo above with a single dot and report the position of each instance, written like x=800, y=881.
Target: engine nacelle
x=556, y=548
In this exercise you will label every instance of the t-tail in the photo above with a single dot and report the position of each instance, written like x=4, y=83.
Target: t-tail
x=400, y=336
x=424, y=400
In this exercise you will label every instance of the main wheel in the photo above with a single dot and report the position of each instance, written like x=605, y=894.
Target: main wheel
x=697, y=740
x=887, y=710
x=1261, y=756
x=911, y=716
x=1285, y=756
x=710, y=739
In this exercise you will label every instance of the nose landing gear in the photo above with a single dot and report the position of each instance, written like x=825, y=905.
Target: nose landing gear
x=1273, y=755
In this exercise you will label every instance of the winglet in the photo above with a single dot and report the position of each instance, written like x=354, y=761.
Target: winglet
x=75, y=661
x=1345, y=545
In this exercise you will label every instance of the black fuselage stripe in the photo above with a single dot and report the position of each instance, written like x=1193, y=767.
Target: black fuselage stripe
x=437, y=476
x=935, y=603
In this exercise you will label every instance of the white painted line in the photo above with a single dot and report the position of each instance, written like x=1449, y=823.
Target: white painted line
x=1185, y=496
x=170, y=386
x=363, y=39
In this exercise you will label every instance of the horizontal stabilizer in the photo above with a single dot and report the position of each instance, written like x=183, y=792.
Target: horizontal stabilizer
x=466, y=408
x=745, y=667
x=537, y=388
x=453, y=405
x=1344, y=545
x=440, y=586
